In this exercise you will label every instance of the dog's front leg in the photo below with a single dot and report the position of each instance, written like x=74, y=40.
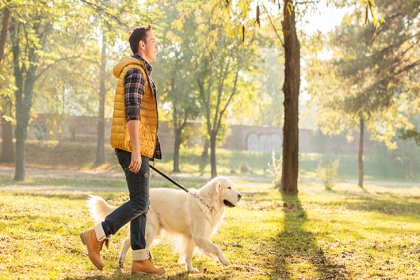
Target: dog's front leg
x=210, y=248
x=188, y=257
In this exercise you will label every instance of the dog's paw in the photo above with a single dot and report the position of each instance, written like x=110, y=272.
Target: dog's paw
x=224, y=261
x=193, y=270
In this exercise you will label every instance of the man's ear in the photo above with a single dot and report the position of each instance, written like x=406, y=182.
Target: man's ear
x=141, y=45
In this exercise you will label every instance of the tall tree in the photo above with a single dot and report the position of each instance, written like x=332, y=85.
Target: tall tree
x=100, y=149
x=222, y=59
x=175, y=71
x=33, y=54
x=290, y=166
x=367, y=84
x=290, y=42
x=7, y=150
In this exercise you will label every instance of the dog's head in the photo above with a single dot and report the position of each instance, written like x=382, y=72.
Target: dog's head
x=222, y=188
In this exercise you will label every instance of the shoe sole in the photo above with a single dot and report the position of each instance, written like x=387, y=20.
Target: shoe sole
x=82, y=237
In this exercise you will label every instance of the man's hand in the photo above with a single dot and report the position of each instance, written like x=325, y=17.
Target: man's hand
x=133, y=130
x=135, y=163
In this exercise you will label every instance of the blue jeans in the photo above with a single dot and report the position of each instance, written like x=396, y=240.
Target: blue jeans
x=135, y=209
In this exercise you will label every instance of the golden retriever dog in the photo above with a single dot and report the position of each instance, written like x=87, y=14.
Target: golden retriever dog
x=189, y=218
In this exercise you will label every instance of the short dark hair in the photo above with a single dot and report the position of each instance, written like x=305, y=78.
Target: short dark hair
x=138, y=34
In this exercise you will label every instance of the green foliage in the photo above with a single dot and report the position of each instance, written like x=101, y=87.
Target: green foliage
x=372, y=75
x=275, y=169
x=244, y=168
x=327, y=171
x=174, y=67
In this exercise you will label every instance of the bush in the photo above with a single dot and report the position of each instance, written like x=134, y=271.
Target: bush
x=327, y=171
x=244, y=167
x=274, y=169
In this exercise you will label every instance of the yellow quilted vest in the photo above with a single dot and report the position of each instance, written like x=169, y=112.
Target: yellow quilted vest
x=120, y=138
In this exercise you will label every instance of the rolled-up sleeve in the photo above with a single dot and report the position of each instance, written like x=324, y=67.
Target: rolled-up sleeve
x=134, y=84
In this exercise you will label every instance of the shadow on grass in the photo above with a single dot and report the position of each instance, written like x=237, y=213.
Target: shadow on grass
x=118, y=274
x=298, y=248
x=384, y=206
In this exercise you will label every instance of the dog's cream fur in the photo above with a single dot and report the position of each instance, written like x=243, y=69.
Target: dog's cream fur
x=192, y=218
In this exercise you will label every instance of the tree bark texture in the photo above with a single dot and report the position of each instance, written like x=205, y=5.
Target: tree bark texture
x=7, y=151
x=177, y=145
x=100, y=149
x=360, y=159
x=3, y=33
x=25, y=78
x=213, y=165
x=290, y=164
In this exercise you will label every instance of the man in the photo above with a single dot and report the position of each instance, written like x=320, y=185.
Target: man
x=134, y=137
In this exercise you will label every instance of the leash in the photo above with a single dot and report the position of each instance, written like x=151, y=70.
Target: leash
x=168, y=178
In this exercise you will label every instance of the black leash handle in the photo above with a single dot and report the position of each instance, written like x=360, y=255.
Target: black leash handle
x=168, y=178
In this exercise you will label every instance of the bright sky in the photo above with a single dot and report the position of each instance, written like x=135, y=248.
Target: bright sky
x=324, y=19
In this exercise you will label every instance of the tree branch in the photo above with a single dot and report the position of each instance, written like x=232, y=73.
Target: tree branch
x=273, y=26
x=52, y=64
x=230, y=98
x=102, y=10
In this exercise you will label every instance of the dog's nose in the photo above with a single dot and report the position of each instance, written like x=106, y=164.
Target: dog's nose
x=239, y=196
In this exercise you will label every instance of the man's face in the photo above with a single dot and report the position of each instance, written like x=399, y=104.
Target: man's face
x=148, y=49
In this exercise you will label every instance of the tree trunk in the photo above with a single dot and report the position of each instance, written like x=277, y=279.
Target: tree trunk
x=362, y=132
x=20, y=153
x=100, y=150
x=3, y=34
x=205, y=152
x=213, y=154
x=290, y=164
x=20, y=132
x=7, y=153
x=177, y=145
x=24, y=80
x=22, y=121
x=177, y=132
x=410, y=169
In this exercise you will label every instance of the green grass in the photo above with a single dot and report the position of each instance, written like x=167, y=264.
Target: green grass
x=343, y=234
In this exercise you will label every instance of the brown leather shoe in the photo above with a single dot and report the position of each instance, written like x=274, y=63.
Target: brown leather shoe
x=146, y=267
x=94, y=247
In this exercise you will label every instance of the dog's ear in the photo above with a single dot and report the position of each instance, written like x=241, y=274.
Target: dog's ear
x=219, y=188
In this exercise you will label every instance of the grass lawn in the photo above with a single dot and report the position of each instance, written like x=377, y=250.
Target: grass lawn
x=344, y=234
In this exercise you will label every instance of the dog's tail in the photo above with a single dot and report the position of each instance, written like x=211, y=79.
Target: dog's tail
x=99, y=208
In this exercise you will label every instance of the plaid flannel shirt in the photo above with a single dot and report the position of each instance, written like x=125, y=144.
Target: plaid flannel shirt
x=134, y=87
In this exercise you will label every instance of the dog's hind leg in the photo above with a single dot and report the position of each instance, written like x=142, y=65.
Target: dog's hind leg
x=123, y=254
x=210, y=248
x=150, y=235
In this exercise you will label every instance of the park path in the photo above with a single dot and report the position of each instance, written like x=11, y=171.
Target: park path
x=116, y=176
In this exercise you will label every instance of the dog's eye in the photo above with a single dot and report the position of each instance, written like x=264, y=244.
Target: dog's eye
x=229, y=188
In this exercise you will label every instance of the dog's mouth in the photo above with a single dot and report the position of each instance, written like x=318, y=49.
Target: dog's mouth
x=228, y=203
